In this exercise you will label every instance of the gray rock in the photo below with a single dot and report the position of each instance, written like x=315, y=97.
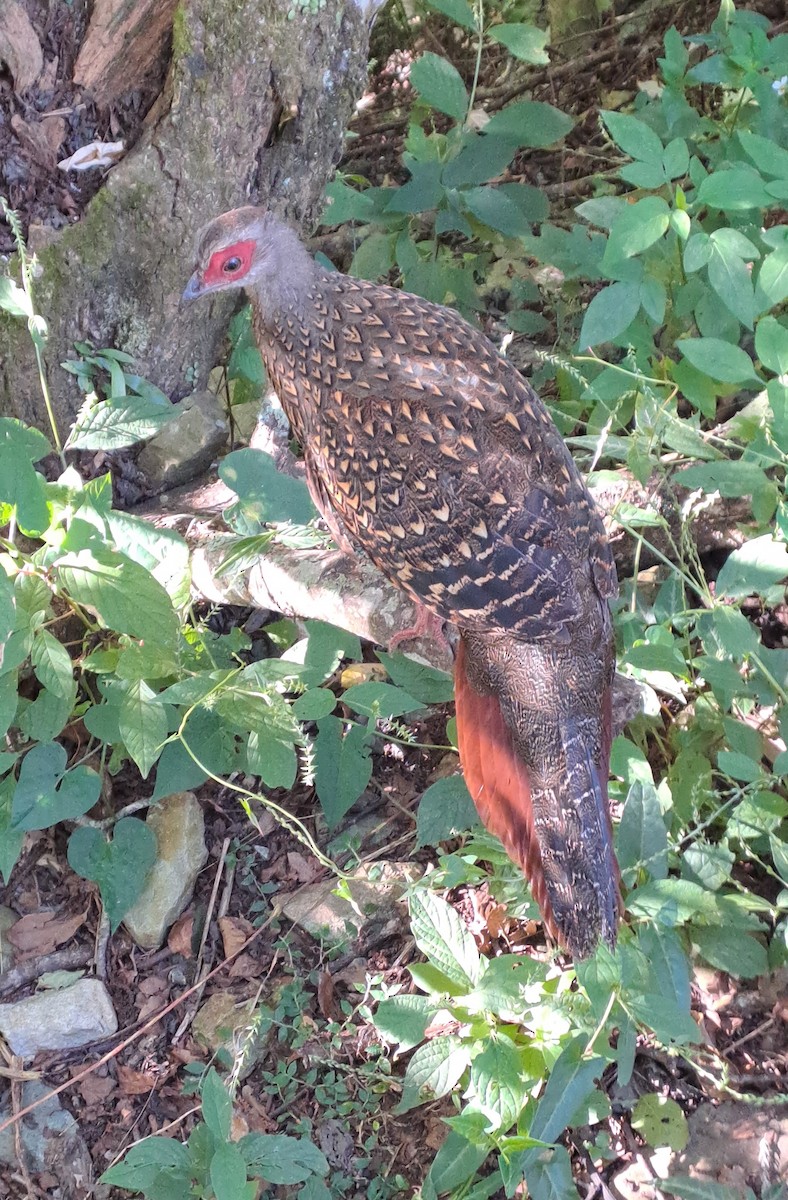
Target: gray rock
x=50, y=1142
x=179, y=828
x=324, y=915
x=58, y=1020
x=189, y=444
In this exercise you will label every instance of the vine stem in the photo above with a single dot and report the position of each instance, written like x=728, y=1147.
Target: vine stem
x=479, y=7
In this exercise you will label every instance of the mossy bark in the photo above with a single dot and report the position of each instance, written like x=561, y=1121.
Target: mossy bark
x=256, y=101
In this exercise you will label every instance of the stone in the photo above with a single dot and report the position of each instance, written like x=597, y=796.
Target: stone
x=8, y=918
x=177, y=821
x=58, y=1020
x=50, y=1142
x=327, y=916
x=188, y=444
x=222, y=1024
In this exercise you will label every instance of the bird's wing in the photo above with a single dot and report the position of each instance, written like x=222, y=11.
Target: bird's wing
x=454, y=478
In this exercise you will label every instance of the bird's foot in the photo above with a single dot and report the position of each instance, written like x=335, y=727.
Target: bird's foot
x=427, y=625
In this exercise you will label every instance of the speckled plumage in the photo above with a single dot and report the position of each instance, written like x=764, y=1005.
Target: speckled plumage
x=433, y=454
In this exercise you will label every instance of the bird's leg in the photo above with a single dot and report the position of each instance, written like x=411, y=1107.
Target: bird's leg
x=427, y=625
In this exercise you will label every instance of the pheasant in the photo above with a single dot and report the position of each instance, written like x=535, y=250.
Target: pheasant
x=430, y=452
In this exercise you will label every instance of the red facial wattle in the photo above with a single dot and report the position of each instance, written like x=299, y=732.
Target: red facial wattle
x=228, y=265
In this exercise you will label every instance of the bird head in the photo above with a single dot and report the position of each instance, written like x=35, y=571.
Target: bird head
x=242, y=248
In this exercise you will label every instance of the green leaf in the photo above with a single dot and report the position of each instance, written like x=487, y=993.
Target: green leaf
x=425, y=683
x=23, y=488
x=664, y=1018
x=733, y=190
x=52, y=664
x=610, y=312
x=217, y=1107
x=374, y=257
x=14, y=299
x=523, y=41
x=445, y=810
x=145, y=1162
x=773, y=276
x=642, y=836
x=731, y=950
x=754, y=568
x=163, y=552
x=343, y=767
x=375, y=699
x=119, y=867
x=404, y=1019
x=730, y=278
x=696, y=1189
x=497, y=1084
x=228, y=1173
x=731, y=478
x=766, y=153
x=271, y=496
x=660, y=1122
x=572, y=1082
x=456, y=1162
x=771, y=344
x=272, y=758
x=143, y=726
x=282, y=1160
x=7, y=615
x=710, y=863
x=344, y=204
x=11, y=840
x=668, y=963
x=675, y=160
x=326, y=648
x=633, y=136
x=721, y=360
x=529, y=123
x=123, y=595
x=176, y=771
x=550, y=1176
x=441, y=934
x=314, y=704
x=480, y=158
x=47, y=793
x=440, y=85
x=435, y=1068
x=114, y=424
x=494, y=208
x=458, y=11
x=639, y=226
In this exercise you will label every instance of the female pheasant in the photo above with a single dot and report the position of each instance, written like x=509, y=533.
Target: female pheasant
x=430, y=451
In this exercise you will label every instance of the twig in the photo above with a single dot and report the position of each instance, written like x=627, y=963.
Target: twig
x=59, y=960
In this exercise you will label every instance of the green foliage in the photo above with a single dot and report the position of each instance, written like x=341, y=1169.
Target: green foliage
x=211, y=1166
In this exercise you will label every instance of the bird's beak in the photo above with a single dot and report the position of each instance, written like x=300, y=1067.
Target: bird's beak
x=193, y=289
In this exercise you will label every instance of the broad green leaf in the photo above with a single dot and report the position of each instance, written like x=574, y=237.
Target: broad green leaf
x=282, y=1160
x=52, y=664
x=731, y=280
x=11, y=840
x=672, y=902
x=549, y=1177
x=425, y=683
x=374, y=257
x=272, y=758
x=176, y=772
x=642, y=836
x=124, y=596
x=271, y=496
x=696, y=1189
x=496, y=1085
x=480, y=158
x=455, y=1163
x=731, y=950
x=314, y=704
x=228, y=1173
x=766, y=153
x=733, y=190
x=523, y=41
x=721, y=360
x=610, y=312
x=404, y=1019
x=380, y=700
x=14, y=299
x=47, y=793
x=667, y=1021
x=22, y=487
x=771, y=344
x=697, y=251
x=633, y=136
x=529, y=123
x=660, y=1122
x=115, y=424
x=163, y=552
x=441, y=934
x=639, y=226
x=710, y=862
x=119, y=867
x=654, y=299
x=729, y=478
x=494, y=208
x=440, y=85
x=142, y=723
x=9, y=699
x=435, y=1068
x=773, y=276
x=572, y=1081
x=7, y=614
x=144, y=1162
x=668, y=963
x=445, y=810
x=502, y=987
x=675, y=160
x=326, y=647
x=458, y=11
x=754, y=568
x=217, y=1107
x=733, y=633
x=344, y=204
x=343, y=767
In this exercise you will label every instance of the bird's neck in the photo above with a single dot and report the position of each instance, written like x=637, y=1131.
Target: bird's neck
x=289, y=279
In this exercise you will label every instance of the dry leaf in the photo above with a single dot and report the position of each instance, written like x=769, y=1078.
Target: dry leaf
x=34, y=138
x=305, y=870
x=136, y=1083
x=95, y=1089
x=180, y=937
x=235, y=931
x=325, y=997
x=245, y=967
x=43, y=932
x=20, y=48
x=95, y=154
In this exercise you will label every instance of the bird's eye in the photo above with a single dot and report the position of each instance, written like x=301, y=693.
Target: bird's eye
x=231, y=265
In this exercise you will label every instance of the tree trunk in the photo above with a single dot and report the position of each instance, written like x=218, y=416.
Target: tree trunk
x=253, y=110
